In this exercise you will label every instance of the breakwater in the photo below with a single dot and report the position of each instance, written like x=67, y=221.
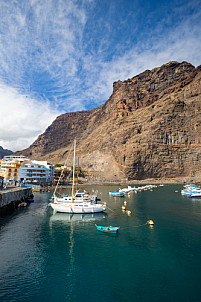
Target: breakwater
x=10, y=198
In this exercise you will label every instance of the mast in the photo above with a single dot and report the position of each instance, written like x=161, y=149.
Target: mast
x=73, y=170
x=54, y=194
x=77, y=173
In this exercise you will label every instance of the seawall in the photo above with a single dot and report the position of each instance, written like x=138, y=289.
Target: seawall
x=10, y=198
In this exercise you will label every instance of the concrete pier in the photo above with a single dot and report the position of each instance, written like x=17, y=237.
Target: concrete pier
x=11, y=197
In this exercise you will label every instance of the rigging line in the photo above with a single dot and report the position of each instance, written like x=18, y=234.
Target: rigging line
x=62, y=172
x=69, y=179
x=135, y=226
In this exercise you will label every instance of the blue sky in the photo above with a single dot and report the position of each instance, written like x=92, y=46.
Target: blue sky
x=59, y=56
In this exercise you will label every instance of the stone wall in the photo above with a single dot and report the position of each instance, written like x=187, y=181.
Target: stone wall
x=9, y=199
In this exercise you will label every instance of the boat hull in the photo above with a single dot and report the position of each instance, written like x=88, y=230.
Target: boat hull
x=107, y=229
x=78, y=208
x=195, y=195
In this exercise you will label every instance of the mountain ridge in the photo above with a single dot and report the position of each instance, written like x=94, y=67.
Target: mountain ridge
x=4, y=152
x=149, y=127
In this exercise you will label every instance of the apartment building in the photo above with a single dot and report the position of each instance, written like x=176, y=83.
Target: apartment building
x=20, y=168
x=10, y=167
x=38, y=171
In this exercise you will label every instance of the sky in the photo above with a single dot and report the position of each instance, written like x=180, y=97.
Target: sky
x=58, y=56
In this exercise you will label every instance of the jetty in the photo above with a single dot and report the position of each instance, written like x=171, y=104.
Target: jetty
x=11, y=197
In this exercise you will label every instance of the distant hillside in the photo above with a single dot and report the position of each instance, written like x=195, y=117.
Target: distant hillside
x=4, y=152
x=150, y=127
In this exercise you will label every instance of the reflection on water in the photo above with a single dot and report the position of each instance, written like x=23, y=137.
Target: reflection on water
x=66, y=218
x=70, y=275
x=62, y=257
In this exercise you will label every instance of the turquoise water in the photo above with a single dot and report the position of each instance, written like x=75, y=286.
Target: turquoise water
x=61, y=257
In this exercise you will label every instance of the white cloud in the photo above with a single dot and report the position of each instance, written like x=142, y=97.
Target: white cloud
x=59, y=50
x=49, y=39
x=22, y=119
x=181, y=43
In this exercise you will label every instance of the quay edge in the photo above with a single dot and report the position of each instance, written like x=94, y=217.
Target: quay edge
x=10, y=198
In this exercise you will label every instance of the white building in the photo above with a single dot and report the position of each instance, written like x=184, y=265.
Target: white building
x=38, y=171
x=10, y=166
x=12, y=160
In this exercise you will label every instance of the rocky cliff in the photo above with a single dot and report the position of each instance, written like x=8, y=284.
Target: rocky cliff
x=150, y=127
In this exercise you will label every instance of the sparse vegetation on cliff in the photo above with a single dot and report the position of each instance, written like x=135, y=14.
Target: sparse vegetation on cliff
x=150, y=127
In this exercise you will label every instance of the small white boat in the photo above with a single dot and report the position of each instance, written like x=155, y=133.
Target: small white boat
x=191, y=191
x=117, y=194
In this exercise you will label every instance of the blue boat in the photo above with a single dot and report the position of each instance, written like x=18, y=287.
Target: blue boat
x=107, y=229
x=30, y=200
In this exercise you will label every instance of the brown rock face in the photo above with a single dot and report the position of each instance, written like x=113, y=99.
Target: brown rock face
x=150, y=127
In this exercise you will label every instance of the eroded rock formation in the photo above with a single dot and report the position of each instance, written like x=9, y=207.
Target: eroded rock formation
x=150, y=127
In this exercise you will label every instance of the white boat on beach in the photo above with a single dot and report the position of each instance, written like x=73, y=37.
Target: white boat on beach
x=77, y=203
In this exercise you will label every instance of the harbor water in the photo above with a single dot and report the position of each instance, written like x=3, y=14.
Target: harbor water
x=62, y=257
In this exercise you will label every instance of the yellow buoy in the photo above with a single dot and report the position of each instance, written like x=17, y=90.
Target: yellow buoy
x=125, y=203
x=123, y=208
x=129, y=213
x=150, y=222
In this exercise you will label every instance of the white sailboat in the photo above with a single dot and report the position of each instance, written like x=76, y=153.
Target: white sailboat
x=76, y=203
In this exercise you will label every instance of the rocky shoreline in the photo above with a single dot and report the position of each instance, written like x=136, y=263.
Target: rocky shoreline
x=123, y=183
x=165, y=181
